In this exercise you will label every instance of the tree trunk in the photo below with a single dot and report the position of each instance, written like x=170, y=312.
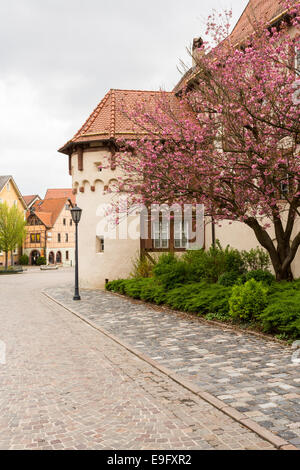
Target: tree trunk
x=6, y=260
x=282, y=256
x=284, y=274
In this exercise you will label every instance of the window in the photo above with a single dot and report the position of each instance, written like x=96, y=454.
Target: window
x=180, y=234
x=35, y=238
x=285, y=187
x=67, y=256
x=67, y=237
x=15, y=203
x=64, y=221
x=71, y=222
x=99, y=244
x=160, y=234
x=8, y=186
x=58, y=237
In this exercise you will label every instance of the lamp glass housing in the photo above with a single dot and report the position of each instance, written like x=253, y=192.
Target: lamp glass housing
x=76, y=214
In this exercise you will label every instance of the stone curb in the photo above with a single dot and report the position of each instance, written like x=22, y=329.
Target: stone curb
x=241, y=418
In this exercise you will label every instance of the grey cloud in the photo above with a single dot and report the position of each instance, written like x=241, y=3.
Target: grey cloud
x=58, y=59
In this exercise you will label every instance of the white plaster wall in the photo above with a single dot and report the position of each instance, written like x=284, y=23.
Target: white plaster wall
x=240, y=236
x=116, y=260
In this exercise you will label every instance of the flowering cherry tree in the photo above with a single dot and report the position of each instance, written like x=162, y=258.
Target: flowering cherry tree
x=229, y=138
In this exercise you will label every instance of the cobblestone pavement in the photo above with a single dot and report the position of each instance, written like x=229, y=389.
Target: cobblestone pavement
x=249, y=373
x=67, y=386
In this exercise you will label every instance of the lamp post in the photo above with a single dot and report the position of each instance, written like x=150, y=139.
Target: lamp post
x=76, y=215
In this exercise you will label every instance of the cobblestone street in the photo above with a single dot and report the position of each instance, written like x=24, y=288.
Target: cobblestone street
x=67, y=386
x=253, y=375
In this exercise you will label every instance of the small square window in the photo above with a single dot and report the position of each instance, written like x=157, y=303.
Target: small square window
x=99, y=244
x=64, y=221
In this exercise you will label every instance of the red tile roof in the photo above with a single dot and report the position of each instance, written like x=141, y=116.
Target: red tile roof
x=107, y=121
x=265, y=11
x=60, y=193
x=45, y=218
x=29, y=199
x=48, y=210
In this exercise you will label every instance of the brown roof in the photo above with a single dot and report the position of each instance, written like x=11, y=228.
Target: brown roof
x=48, y=210
x=265, y=11
x=3, y=180
x=60, y=193
x=29, y=199
x=107, y=121
x=45, y=218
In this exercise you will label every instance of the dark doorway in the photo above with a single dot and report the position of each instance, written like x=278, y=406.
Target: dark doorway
x=58, y=257
x=51, y=257
x=34, y=255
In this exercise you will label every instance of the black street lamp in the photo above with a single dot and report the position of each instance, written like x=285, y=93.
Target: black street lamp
x=76, y=215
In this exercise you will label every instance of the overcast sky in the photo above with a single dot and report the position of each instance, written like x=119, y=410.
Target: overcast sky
x=59, y=57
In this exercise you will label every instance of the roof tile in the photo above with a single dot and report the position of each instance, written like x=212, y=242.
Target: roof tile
x=264, y=11
x=60, y=193
x=107, y=121
x=48, y=210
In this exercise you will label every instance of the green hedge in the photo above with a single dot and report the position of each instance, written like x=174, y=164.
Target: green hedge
x=199, y=298
x=24, y=260
x=282, y=315
x=274, y=309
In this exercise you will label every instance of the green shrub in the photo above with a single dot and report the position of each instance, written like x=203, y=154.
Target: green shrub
x=212, y=299
x=248, y=301
x=210, y=265
x=133, y=288
x=24, y=260
x=260, y=276
x=170, y=271
x=179, y=297
x=146, y=289
x=41, y=261
x=229, y=279
x=255, y=259
x=283, y=316
x=151, y=291
x=284, y=288
x=116, y=286
x=218, y=316
x=200, y=298
x=142, y=267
